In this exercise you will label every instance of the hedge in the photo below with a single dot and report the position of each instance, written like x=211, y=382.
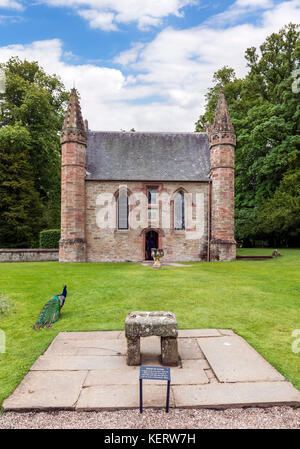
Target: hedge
x=49, y=238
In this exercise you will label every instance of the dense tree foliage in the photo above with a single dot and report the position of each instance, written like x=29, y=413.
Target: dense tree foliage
x=264, y=108
x=32, y=107
x=20, y=208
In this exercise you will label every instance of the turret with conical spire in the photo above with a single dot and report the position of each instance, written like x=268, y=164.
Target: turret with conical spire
x=73, y=123
x=222, y=142
x=222, y=121
x=73, y=155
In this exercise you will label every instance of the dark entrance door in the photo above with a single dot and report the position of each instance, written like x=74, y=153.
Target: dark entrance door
x=151, y=242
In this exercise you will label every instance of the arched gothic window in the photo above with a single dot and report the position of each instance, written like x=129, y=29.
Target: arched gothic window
x=179, y=211
x=123, y=211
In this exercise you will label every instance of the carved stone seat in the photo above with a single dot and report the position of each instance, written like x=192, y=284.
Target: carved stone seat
x=145, y=324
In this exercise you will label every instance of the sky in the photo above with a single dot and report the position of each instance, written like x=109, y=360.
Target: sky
x=143, y=64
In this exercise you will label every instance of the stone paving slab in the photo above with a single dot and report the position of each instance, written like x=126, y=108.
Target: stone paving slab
x=189, y=349
x=188, y=377
x=226, y=332
x=234, y=360
x=195, y=333
x=90, y=335
x=152, y=360
x=217, y=369
x=130, y=376
x=47, y=390
x=122, y=397
x=195, y=364
x=87, y=347
x=150, y=346
x=75, y=363
x=245, y=394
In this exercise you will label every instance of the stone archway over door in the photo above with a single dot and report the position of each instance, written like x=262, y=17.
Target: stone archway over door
x=151, y=241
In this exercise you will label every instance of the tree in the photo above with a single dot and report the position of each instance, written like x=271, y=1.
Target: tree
x=280, y=215
x=36, y=102
x=20, y=209
x=265, y=113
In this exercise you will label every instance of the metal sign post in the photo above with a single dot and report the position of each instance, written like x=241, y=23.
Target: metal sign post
x=155, y=373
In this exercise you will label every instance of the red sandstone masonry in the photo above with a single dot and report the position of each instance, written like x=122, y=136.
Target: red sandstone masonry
x=222, y=146
x=73, y=144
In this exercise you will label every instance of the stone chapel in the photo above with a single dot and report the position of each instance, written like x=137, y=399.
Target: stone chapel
x=124, y=193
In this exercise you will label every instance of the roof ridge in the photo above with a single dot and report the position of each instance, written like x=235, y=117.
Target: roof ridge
x=149, y=132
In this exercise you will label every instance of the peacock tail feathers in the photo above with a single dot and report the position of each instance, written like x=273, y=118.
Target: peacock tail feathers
x=51, y=311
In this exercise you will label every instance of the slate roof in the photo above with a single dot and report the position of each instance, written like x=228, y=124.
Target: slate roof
x=147, y=156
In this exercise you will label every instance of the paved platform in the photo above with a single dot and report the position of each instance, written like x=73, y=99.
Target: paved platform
x=88, y=371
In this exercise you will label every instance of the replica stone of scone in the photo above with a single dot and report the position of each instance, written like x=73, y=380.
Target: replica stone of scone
x=145, y=324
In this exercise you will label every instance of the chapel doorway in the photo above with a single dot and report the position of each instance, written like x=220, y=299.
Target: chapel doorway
x=151, y=241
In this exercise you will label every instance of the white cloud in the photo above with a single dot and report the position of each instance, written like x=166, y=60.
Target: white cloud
x=239, y=9
x=98, y=19
x=107, y=14
x=284, y=13
x=169, y=76
x=11, y=4
x=131, y=55
x=254, y=3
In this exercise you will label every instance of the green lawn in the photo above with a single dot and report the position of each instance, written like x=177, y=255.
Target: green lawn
x=259, y=300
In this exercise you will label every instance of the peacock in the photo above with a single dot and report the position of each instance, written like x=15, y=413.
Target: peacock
x=51, y=310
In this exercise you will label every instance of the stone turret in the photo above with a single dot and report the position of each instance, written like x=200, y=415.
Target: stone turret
x=222, y=142
x=73, y=169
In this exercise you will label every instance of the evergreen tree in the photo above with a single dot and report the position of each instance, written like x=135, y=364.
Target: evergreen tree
x=36, y=101
x=20, y=209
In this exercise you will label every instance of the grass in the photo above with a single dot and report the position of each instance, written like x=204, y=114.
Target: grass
x=259, y=300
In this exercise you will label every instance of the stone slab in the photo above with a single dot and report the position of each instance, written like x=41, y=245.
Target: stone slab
x=198, y=333
x=227, y=332
x=87, y=347
x=62, y=375
x=189, y=349
x=234, y=360
x=122, y=397
x=75, y=363
x=144, y=324
x=196, y=364
x=188, y=377
x=150, y=351
x=150, y=346
x=89, y=335
x=245, y=394
x=130, y=376
x=151, y=360
x=169, y=351
x=47, y=390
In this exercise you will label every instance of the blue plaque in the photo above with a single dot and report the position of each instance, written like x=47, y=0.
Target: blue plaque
x=154, y=373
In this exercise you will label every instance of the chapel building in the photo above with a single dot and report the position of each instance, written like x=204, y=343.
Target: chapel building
x=124, y=193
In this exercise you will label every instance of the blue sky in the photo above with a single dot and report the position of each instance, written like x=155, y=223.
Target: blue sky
x=145, y=64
